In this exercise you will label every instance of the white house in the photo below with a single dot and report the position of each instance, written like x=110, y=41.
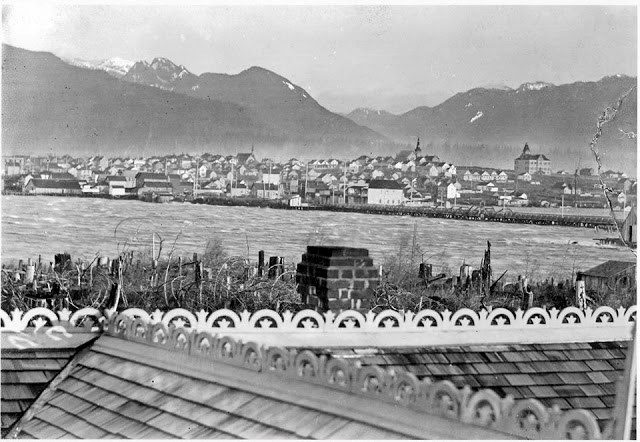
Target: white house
x=130, y=177
x=502, y=177
x=270, y=177
x=452, y=191
x=450, y=170
x=377, y=174
x=238, y=189
x=524, y=176
x=386, y=192
x=311, y=176
x=265, y=191
x=116, y=189
x=117, y=185
x=355, y=166
x=520, y=200
x=295, y=201
x=90, y=188
x=487, y=187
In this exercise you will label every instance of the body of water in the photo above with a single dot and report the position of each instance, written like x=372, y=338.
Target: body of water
x=87, y=227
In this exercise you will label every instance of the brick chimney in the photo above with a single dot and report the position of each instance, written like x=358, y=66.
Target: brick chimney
x=337, y=278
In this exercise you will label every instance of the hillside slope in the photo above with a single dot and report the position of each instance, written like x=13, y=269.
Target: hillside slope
x=49, y=105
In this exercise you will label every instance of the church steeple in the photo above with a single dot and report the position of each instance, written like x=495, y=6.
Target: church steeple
x=526, y=150
x=418, y=150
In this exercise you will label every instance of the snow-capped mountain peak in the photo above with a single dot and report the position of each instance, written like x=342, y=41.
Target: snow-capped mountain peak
x=535, y=86
x=116, y=66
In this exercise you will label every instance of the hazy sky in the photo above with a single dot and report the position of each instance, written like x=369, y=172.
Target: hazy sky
x=388, y=57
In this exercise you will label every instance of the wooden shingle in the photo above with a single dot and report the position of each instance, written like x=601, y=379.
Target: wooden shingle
x=558, y=373
x=108, y=395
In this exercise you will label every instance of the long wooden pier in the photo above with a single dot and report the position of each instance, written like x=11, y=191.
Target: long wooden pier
x=473, y=213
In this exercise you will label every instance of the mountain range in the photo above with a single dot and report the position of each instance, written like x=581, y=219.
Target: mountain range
x=53, y=106
x=119, y=106
x=558, y=120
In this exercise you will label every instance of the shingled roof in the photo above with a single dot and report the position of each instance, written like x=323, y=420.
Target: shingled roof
x=609, y=268
x=55, y=184
x=127, y=389
x=535, y=157
x=29, y=363
x=25, y=374
x=384, y=184
x=569, y=375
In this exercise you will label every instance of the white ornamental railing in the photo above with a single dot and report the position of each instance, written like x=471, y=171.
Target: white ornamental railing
x=535, y=325
x=86, y=319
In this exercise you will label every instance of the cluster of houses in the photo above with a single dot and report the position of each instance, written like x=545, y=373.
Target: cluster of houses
x=406, y=178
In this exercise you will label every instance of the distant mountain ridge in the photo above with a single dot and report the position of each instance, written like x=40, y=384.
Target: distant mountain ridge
x=275, y=100
x=158, y=107
x=560, y=118
x=52, y=105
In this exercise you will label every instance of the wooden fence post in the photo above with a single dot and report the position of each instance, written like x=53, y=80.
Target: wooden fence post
x=246, y=270
x=196, y=266
x=272, y=272
x=581, y=295
x=260, y=263
x=201, y=273
x=29, y=274
x=280, y=265
x=180, y=272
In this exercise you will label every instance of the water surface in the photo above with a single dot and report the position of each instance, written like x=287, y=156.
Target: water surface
x=86, y=227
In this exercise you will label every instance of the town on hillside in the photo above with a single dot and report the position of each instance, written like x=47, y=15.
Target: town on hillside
x=407, y=178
